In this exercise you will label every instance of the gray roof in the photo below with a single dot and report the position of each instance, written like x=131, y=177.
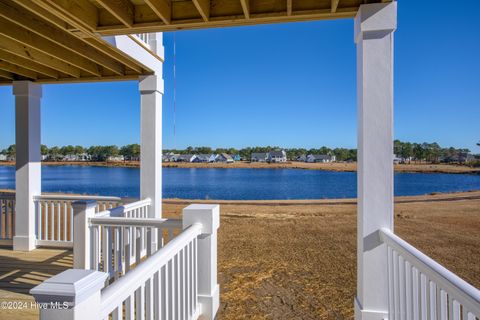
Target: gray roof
x=259, y=155
x=277, y=153
x=185, y=156
x=203, y=156
x=226, y=156
x=320, y=156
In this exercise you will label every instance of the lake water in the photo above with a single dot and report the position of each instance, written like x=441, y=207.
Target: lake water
x=241, y=184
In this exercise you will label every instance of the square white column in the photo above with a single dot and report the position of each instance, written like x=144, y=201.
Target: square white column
x=374, y=27
x=28, y=161
x=151, y=92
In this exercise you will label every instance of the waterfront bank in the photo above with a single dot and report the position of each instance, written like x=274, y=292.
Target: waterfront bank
x=333, y=166
x=235, y=184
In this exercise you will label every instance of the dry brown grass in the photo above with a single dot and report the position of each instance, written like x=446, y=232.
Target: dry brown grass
x=297, y=261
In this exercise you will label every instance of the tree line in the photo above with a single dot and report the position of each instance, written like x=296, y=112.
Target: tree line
x=96, y=153
x=429, y=152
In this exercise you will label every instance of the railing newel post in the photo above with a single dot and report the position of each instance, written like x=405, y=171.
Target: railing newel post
x=83, y=210
x=208, y=216
x=74, y=294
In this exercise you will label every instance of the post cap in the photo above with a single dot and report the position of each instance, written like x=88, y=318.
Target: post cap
x=375, y=20
x=71, y=286
x=27, y=88
x=150, y=84
x=206, y=214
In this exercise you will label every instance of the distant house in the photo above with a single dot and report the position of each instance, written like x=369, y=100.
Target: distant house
x=170, y=157
x=3, y=157
x=237, y=157
x=201, y=158
x=69, y=157
x=277, y=156
x=466, y=157
x=259, y=157
x=212, y=158
x=186, y=158
x=84, y=157
x=461, y=157
x=116, y=158
x=223, y=157
x=397, y=159
x=302, y=158
x=324, y=158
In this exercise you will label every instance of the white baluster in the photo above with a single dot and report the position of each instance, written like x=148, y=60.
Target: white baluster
x=140, y=303
x=129, y=308
x=58, y=237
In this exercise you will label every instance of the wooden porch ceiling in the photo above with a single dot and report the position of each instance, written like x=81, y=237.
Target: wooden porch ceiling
x=60, y=40
x=38, y=45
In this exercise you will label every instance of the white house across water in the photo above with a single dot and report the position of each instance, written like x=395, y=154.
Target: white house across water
x=131, y=263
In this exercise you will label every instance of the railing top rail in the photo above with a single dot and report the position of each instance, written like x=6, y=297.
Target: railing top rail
x=7, y=196
x=121, y=289
x=438, y=273
x=135, y=222
x=74, y=197
x=137, y=204
x=119, y=211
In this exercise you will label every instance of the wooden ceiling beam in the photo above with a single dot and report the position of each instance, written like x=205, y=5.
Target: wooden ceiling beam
x=230, y=21
x=41, y=12
x=28, y=64
x=123, y=10
x=13, y=47
x=60, y=37
x=289, y=7
x=7, y=66
x=33, y=40
x=246, y=8
x=162, y=8
x=85, y=35
x=334, y=5
x=203, y=7
x=6, y=75
x=81, y=11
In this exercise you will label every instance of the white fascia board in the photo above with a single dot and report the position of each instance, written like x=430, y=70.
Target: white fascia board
x=136, y=51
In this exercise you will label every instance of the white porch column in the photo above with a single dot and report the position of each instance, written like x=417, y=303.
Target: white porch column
x=28, y=157
x=374, y=27
x=151, y=91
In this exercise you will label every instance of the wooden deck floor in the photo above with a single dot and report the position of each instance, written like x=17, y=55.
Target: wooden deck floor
x=21, y=271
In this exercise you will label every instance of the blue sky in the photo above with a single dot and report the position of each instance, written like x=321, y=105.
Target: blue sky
x=291, y=85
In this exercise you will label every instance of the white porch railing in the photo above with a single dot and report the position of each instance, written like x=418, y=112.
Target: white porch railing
x=142, y=39
x=151, y=272
x=54, y=217
x=7, y=218
x=164, y=286
x=420, y=288
x=120, y=238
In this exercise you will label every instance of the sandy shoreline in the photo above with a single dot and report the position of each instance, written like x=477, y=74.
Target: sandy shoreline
x=336, y=166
